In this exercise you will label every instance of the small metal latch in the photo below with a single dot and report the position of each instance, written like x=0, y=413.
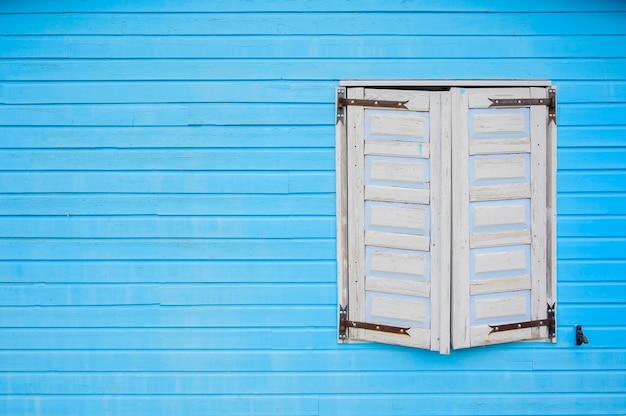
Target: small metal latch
x=549, y=322
x=523, y=102
x=343, y=102
x=580, y=336
x=344, y=324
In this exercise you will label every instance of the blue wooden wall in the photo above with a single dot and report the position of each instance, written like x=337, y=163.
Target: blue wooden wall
x=167, y=228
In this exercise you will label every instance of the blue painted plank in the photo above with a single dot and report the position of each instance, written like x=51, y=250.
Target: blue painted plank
x=166, y=114
x=592, y=158
x=555, y=360
x=591, y=226
x=591, y=136
x=167, y=295
x=154, y=271
x=591, y=247
x=168, y=316
x=164, y=204
x=251, y=47
x=169, y=227
x=214, y=6
x=347, y=359
x=167, y=249
x=590, y=92
x=600, y=337
x=312, y=69
x=111, y=92
x=394, y=23
x=169, y=159
x=586, y=312
x=235, y=182
x=467, y=404
x=173, y=339
x=604, y=292
x=168, y=137
x=591, y=203
x=405, y=382
x=591, y=114
x=609, y=270
x=192, y=405
x=591, y=181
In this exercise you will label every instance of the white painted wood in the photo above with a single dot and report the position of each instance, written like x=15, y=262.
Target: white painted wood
x=498, y=215
x=417, y=100
x=392, y=236
x=510, y=167
x=481, y=336
x=506, y=259
x=407, y=216
x=407, y=172
x=397, y=240
x=406, y=263
x=355, y=116
x=499, y=238
x=498, y=285
x=460, y=221
x=397, y=148
x=497, y=308
x=398, y=286
x=341, y=214
x=508, y=281
x=499, y=146
x=394, y=308
x=435, y=240
x=397, y=194
x=485, y=123
x=539, y=203
x=417, y=338
x=499, y=192
x=443, y=180
x=399, y=123
x=479, y=98
x=551, y=167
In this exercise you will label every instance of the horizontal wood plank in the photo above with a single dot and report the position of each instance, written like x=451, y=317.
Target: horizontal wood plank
x=168, y=182
x=178, y=294
x=398, y=23
x=156, y=271
x=169, y=159
x=307, y=6
x=315, y=69
x=166, y=249
x=168, y=137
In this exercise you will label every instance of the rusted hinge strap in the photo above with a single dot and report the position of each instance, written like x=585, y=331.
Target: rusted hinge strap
x=343, y=102
x=375, y=327
x=523, y=102
x=550, y=322
x=520, y=325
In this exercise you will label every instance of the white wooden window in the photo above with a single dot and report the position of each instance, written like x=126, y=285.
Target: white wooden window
x=445, y=215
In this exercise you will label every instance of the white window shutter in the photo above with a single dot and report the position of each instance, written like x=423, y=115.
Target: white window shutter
x=501, y=221
x=398, y=202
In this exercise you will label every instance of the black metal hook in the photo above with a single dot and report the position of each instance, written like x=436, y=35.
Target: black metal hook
x=580, y=337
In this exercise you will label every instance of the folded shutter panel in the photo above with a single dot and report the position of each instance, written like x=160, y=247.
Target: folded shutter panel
x=398, y=199
x=500, y=217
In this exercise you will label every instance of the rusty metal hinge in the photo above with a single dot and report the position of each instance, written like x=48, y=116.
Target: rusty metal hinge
x=344, y=324
x=523, y=102
x=550, y=322
x=343, y=102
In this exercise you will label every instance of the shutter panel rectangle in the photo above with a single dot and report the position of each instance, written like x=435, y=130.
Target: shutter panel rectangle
x=398, y=196
x=500, y=217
